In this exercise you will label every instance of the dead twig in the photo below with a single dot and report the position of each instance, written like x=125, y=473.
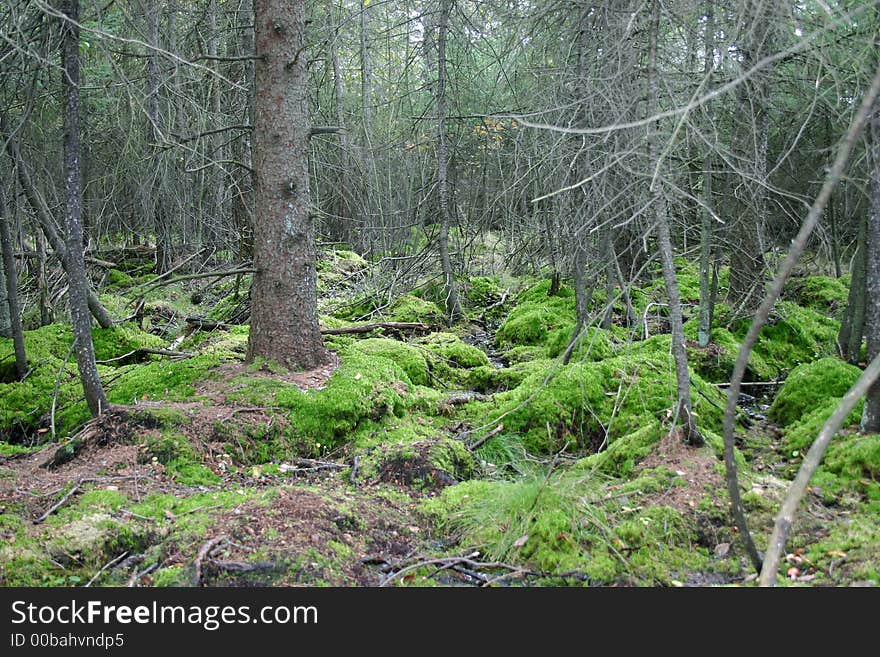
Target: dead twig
x=203, y=552
x=477, y=443
x=352, y=477
x=105, y=567
x=61, y=502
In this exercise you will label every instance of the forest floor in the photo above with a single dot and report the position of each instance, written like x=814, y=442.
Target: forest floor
x=453, y=456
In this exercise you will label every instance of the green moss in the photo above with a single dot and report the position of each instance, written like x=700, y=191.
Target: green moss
x=800, y=434
x=410, y=308
x=715, y=362
x=167, y=380
x=409, y=358
x=580, y=403
x=855, y=457
x=594, y=344
x=453, y=351
x=175, y=451
x=24, y=404
x=537, y=314
x=177, y=575
x=795, y=336
x=116, y=278
x=568, y=522
x=810, y=384
x=822, y=294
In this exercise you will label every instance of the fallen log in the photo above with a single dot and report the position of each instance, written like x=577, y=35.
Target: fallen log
x=366, y=328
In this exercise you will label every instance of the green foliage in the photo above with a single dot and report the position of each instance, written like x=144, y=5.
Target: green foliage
x=24, y=404
x=810, y=384
x=410, y=308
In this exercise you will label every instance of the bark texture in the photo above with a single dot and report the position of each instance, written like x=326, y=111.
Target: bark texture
x=284, y=318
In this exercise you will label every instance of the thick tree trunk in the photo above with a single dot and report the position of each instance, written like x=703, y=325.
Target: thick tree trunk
x=11, y=280
x=871, y=415
x=664, y=242
x=453, y=309
x=78, y=286
x=284, y=316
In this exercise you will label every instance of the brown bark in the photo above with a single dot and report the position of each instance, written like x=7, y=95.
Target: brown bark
x=75, y=264
x=284, y=317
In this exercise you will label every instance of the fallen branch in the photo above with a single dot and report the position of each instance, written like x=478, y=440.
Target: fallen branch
x=205, y=324
x=242, y=566
x=136, y=575
x=153, y=284
x=148, y=350
x=477, y=443
x=61, y=502
x=202, y=554
x=452, y=562
x=366, y=328
x=464, y=398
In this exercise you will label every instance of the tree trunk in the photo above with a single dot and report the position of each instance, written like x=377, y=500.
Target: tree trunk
x=704, y=333
x=750, y=143
x=11, y=287
x=664, y=243
x=871, y=415
x=5, y=317
x=852, y=328
x=453, y=309
x=284, y=316
x=47, y=224
x=78, y=285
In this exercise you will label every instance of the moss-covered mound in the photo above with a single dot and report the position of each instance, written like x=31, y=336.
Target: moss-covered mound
x=795, y=335
x=585, y=403
x=567, y=523
x=410, y=358
x=823, y=294
x=809, y=386
x=536, y=315
x=128, y=374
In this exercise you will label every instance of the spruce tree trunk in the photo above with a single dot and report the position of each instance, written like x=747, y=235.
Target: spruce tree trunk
x=664, y=243
x=78, y=285
x=284, y=316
